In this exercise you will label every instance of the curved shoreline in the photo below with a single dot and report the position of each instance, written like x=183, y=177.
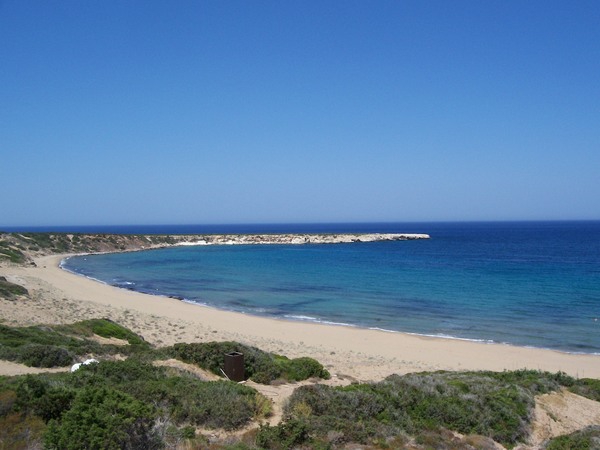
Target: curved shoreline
x=315, y=321
x=316, y=239
x=358, y=353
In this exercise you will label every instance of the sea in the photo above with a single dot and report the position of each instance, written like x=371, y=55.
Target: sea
x=533, y=284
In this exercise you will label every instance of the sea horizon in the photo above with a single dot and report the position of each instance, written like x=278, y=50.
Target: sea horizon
x=269, y=227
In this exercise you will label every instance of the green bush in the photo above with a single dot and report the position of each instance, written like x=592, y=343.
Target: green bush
x=109, y=329
x=8, y=251
x=215, y=404
x=299, y=369
x=37, y=396
x=285, y=436
x=259, y=366
x=221, y=404
x=62, y=399
x=534, y=381
x=104, y=418
x=105, y=328
x=211, y=356
x=56, y=346
x=42, y=346
x=36, y=355
x=496, y=405
x=586, y=439
x=587, y=387
x=355, y=413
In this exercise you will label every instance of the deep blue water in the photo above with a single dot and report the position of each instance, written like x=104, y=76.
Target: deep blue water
x=523, y=283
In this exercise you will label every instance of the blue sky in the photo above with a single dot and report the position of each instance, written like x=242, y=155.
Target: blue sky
x=148, y=112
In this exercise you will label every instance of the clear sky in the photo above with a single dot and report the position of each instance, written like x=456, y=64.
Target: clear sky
x=181, y=112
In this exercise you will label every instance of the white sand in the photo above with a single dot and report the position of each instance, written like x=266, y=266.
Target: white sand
x=58, y=296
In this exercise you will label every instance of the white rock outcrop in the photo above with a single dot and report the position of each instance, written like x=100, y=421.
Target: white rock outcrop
x=296, y=239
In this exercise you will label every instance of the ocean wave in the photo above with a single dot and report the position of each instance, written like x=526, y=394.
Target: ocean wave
x=195, y=302
x=123, y=283
x=299, y=317
x=438, y=336
x=302, y=318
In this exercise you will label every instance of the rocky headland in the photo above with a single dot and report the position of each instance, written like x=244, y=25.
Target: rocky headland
x=285, y=239
x=25, y=247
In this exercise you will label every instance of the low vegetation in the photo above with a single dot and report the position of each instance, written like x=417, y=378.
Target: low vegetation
x=586, y=439
x=20, y=248
x=133, y=403
x=127, y=403
x=260, y=367
x=61, y=345
x=11, y=251
x=105, y=328
x=124, y=404
x=489, y=404
x=10, y=290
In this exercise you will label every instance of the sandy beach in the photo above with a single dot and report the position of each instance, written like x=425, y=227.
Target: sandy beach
x=57, y=296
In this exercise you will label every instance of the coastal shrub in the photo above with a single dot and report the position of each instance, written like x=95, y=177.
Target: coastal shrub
x=216, y=404
x=21, y=421
x=121, y=374
x=105, y=328
x=299, y=369
x=176, y=399
x=9, y=252
x=36, y=355
x=535, y=381
x=353, y=414
x=284, y=436
x=21, y=432
x=587, y=387
x=211, y=356
x=38, y=396
x=10, y=290
x=7, y=400
x=40, y=346
x=105, y=418
x=56, y=346
x=16, y=337
x=470, y=403
x=259, y=366
x=586, y=439
x=219, y=404
x=480, y=405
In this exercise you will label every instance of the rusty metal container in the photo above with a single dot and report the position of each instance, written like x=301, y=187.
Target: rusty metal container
x=234, y=366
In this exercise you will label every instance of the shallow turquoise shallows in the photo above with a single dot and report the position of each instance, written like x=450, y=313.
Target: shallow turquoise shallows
x=523, y=283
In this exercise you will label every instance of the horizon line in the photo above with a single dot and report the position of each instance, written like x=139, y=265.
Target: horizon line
x=17, y=228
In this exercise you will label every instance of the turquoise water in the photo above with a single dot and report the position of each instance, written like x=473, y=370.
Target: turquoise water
x=534, y=284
